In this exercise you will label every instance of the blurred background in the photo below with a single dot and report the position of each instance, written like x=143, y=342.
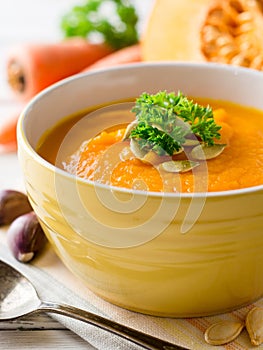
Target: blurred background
x=37, y=21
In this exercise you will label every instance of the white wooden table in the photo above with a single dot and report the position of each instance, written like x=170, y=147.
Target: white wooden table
x=24, y=21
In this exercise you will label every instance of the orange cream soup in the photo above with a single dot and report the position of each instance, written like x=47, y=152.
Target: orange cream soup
x=107, y=159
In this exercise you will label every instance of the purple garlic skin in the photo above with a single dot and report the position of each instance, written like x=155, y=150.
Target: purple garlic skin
x=25, y=237
x=12, y=204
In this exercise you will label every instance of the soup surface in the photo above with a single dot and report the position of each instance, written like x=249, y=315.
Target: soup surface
x=92, y=148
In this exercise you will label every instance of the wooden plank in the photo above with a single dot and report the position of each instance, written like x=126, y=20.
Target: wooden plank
x=35, y=322
x=42, y=339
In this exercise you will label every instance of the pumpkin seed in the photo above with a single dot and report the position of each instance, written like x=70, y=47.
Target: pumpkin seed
x=129, y=128
x=157, y=127
x=151, y=157
x=190, y=143
x=234, y=19
x=244, y=17
x=136, y=150
x=203, y=152
x=254, y=324
x=179, y=151
x=178, y=166
x=223, y=332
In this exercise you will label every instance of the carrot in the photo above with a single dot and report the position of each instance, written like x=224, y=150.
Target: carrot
x=8, y=148
x=31, y=68
x=8, y=141
x=130, y=54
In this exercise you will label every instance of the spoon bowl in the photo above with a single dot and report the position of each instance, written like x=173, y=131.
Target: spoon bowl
x=18, y=297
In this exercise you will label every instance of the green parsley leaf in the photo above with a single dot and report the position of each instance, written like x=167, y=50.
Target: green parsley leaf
x=152, y=138
x=112, y=21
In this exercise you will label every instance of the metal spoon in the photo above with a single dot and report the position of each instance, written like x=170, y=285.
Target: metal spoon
x=18, y=298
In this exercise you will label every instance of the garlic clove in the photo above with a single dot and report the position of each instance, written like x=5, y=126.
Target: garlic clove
x=12, y=204
x=25, y=237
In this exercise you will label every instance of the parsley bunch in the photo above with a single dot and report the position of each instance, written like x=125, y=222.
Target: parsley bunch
x=152, y=138
x=112, y=21
x=166, y=119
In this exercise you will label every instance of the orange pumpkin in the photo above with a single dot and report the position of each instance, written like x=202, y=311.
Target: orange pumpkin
x=224, y=31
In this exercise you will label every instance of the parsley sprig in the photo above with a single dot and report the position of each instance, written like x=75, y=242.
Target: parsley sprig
x=112, y=21
x=152, y=138
x=166, y=119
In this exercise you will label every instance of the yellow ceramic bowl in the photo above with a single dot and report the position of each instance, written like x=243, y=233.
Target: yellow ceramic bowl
x=161, y=254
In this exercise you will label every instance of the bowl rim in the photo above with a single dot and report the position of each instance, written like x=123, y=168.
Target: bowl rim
x=22, y=138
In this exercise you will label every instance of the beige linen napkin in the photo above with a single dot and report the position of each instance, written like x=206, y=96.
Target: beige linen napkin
x=47, y=270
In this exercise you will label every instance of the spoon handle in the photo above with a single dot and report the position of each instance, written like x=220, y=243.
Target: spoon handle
x=137, y=337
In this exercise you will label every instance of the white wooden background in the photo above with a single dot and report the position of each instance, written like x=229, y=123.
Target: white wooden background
x=24, y=21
